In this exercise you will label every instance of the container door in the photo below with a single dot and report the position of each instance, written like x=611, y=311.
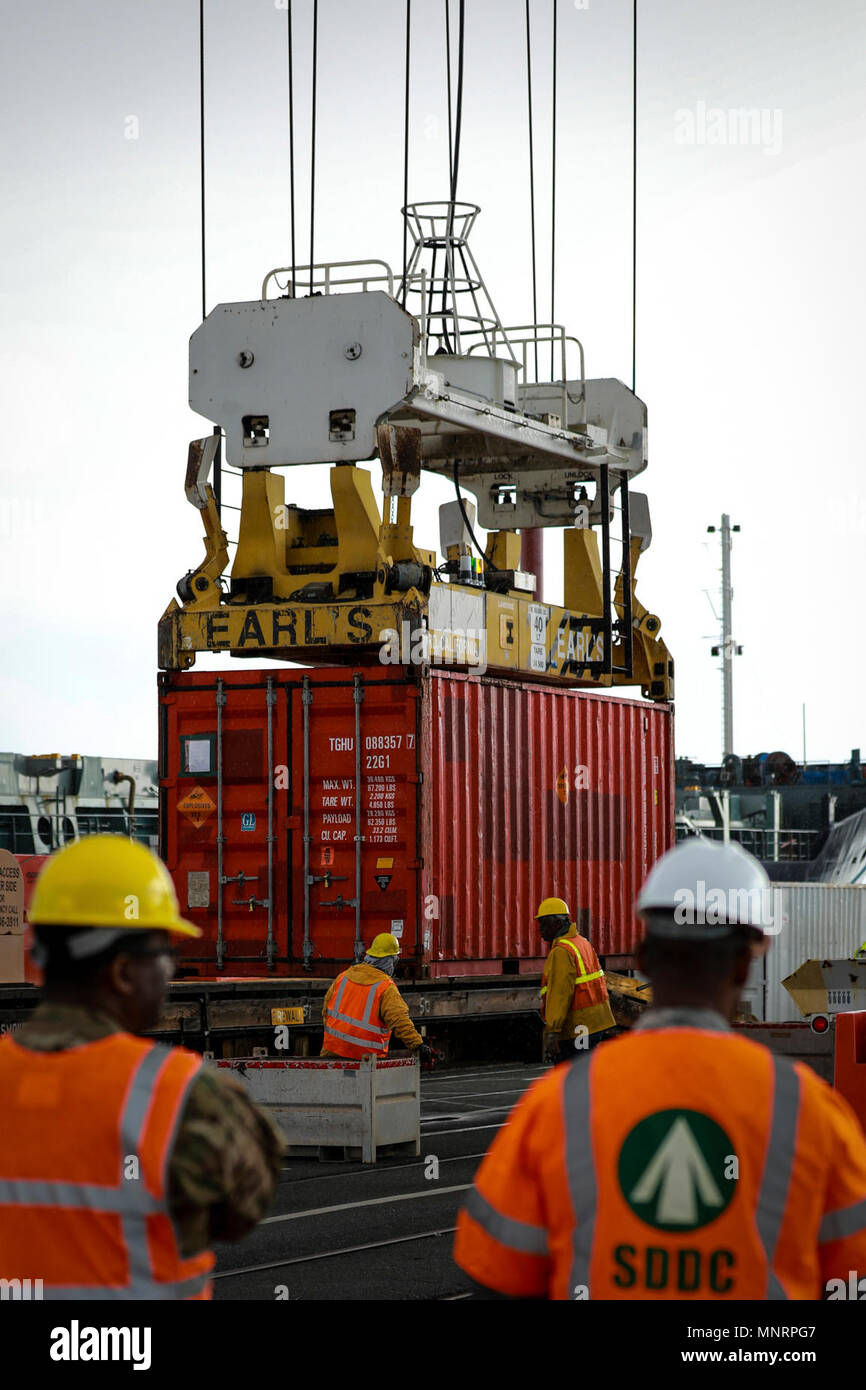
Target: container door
x=223, y=820
x=355, y=788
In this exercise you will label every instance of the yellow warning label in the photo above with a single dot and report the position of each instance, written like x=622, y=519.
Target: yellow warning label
x=293, y=1015
x=197, y=806
x=384, y=863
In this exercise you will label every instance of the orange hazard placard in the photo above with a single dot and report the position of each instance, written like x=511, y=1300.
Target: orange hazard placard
x=562, y=786
x=197, y=806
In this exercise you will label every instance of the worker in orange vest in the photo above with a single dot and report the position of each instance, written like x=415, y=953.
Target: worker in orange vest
x=574, y=1004
x=121, y=1160
x=680, y=1161
x=363, y=1007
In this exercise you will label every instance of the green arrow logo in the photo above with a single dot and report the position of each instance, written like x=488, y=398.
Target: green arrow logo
x=672, y=1169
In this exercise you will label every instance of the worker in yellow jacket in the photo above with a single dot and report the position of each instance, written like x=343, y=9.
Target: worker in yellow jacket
x=574, y=1003
x=363, y=1007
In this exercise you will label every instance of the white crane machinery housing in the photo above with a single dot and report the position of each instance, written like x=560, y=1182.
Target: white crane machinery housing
x=348, y=364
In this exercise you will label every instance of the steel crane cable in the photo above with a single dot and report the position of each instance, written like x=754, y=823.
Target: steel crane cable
x=448, y=80
x=406, y=153
x=531, y=182
x=484, y=560
x=455, y=169
x=553, y=202
x=450, y=155
x=291, y=286
x=217, y=463
x=201, y=148
x=634, y=195
x=313, y=141
x=458, y=116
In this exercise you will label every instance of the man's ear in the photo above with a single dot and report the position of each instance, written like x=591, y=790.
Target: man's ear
x=742, y=965
x=119, y=975
x=759, y=947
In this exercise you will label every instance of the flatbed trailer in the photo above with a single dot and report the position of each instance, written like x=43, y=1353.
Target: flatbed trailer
x=493, y=1014
x=229, y=1017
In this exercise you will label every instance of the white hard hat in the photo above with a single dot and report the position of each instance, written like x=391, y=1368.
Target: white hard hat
x=700, y=890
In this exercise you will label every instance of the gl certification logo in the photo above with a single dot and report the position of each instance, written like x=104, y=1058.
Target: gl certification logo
x=677, y=1171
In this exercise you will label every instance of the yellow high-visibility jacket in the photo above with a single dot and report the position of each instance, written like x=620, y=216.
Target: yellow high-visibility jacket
x=558, y=984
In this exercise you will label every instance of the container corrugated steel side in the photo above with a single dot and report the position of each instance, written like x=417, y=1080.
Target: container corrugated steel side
x=820, y=921
x=540, y=793
x=479, y=797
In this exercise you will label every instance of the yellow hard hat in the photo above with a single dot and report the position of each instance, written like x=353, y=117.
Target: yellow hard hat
x=553, y=907
x=384, y=945
x=107, y=881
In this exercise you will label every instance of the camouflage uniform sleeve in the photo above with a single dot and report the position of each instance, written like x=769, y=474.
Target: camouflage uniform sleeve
x=395, y=1015
x=225, y=1163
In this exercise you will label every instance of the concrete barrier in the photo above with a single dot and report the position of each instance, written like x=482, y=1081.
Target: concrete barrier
x=339, y=1110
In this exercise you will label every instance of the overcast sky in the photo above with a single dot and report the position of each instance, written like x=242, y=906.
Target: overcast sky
x=750, y=308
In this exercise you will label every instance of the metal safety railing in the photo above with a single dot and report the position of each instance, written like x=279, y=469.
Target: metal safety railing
x=764, y=842
x=531, y=335
x=441, y=292
x=325, y=283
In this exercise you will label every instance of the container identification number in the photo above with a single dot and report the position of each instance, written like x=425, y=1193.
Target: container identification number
x=383, y=741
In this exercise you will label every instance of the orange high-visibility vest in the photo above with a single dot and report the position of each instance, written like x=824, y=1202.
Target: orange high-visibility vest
x=85, y=1144
x=353, y=1025
x=677, y=1163
x=589, y=987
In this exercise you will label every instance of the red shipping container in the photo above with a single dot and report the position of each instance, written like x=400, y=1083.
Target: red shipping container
x=304, y=811
x=849, y=1073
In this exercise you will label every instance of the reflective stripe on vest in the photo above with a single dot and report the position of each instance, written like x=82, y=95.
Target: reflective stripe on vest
x=844, y=1222
x=775, y=1180
x=144, y=1221
x=517, y=1235
x=367, y=1037
x=364, y=1021
x=582, y=977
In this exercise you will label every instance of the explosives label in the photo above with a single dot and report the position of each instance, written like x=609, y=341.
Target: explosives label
x=197, y=806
